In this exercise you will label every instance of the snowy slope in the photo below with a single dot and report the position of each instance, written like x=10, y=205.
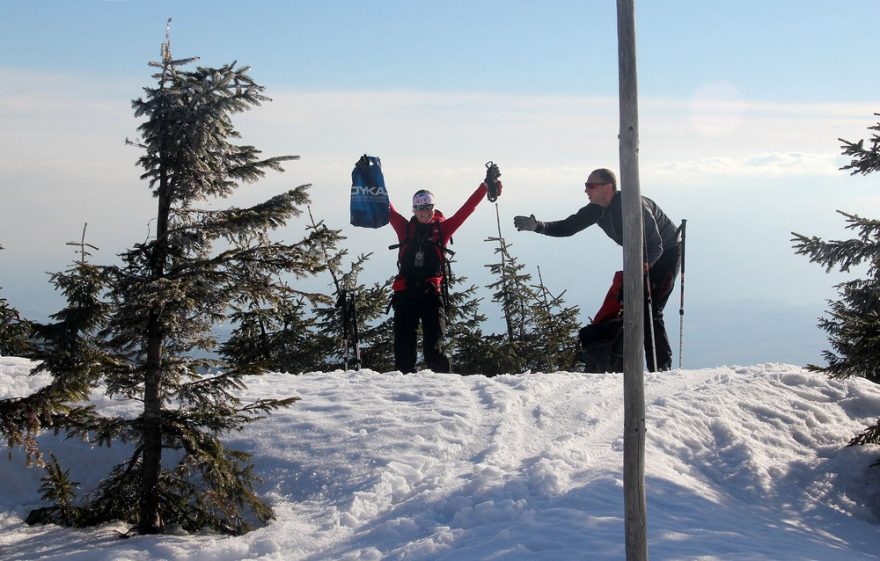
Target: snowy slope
x=742, y=463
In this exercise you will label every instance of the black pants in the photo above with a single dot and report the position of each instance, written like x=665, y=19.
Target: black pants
x=602, y=346
x=412, y=306
x=662, y=280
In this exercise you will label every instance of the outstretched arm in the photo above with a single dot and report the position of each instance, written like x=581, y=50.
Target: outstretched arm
x=585, y=217
x=453, y=222
x=398, y=222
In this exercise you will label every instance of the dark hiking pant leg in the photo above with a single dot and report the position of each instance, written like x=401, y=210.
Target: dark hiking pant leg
x=406, y=325
x=662, y=279
x=602, y=346
x=434, y=334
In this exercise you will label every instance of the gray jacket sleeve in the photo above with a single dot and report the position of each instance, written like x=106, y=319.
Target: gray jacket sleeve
x=653, y=241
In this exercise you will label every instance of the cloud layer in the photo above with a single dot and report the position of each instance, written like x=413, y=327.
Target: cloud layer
x=64, y=163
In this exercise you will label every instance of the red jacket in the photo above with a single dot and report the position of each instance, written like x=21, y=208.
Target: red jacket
x=611, y=306
x=447, y=227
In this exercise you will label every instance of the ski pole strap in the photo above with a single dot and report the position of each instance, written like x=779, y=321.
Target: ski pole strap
x=445, y=249
x=492, y=175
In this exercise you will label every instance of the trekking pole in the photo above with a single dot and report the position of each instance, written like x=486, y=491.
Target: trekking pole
x=650, y=305
x=681, y=306
x=444, y=286
x=353, y=328
x=341, y=303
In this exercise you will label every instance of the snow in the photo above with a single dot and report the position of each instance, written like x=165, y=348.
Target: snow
x=741, y=463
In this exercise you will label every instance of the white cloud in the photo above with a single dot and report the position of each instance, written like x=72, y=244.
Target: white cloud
x=63, y=162
x=716, y=109
x=779, y=164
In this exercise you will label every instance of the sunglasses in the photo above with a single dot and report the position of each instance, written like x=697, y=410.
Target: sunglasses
x=593, y=185
x=423, y=207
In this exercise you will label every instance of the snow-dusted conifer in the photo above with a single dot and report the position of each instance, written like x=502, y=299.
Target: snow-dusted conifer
x=367, y=304
x=541, y=329
x=556, y=325
x=466, y=346
x=171, y=290
x=70, y=350
x=853, y=321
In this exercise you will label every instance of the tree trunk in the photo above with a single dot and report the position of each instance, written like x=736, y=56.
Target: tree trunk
x=149, y=516
x=633, y=285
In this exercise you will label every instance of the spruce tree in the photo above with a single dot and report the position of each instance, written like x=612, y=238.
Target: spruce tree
x=512, y=292
x=853, y=321
x=507, y=352
x=280, y=337
x=171, y=290
x=466, y=345
x=556, y=324
x=14, y=331
x=70, y=350
x=377, y=327
x=350, y=329
x=283, y=335
x=540, y=329
x=363, y=307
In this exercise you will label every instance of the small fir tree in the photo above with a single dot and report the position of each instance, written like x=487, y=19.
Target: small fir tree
x=282, y=335
x=61, y=491
x=280, y=338
x=466, y=346
x=853, y=322
x=556, y=325
x=511, y=290
x=540, y=328
x=350, y=330
x=170, y=292
x=356, y=315
x=70, y=350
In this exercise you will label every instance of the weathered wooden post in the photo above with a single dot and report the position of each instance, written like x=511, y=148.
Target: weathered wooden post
x=633, y=290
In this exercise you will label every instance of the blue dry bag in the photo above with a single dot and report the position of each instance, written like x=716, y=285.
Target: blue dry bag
x=369, y=199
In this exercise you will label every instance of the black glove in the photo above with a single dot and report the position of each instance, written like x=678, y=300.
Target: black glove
x=527, y=223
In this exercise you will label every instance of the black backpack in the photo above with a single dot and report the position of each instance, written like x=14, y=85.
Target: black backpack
x=421, y=253
x=422, y=256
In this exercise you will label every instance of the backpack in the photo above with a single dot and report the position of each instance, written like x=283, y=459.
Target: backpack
x=602, y=340
x=421, y=253
x=421, y=259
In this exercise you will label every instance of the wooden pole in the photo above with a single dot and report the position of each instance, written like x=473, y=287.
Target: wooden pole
x=633, y=290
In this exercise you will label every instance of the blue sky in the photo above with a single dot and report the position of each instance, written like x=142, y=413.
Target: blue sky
x=741, y=106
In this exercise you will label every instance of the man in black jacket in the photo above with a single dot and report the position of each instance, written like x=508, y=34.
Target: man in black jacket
x=662, y=248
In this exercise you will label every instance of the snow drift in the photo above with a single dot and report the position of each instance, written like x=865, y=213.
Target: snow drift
x=741, y=463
